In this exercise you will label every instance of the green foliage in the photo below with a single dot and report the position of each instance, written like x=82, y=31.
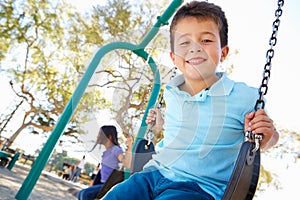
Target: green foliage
x=57, y=160
x=47, y=69
x=116, y=17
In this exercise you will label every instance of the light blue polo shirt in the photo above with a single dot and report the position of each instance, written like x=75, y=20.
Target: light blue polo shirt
x=203, y=133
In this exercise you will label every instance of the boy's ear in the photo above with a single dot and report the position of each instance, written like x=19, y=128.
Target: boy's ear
x=225, y=51
x=172, y=55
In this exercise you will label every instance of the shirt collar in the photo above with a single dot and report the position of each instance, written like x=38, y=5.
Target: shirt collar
x=222, y=87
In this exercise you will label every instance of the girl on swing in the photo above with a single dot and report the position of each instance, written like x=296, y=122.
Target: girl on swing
x=112, y=156
x=205, y=118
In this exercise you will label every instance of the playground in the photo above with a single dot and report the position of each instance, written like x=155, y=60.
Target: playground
x=49, y=186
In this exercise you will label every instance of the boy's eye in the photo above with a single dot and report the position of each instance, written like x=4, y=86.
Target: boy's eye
x=184, y=43
x=206, y=41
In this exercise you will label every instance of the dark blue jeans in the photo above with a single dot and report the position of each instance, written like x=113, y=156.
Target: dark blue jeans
x=148, y=185
x=89, y=193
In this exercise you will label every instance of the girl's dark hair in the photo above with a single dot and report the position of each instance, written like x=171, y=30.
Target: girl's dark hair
x=201, y=10
x=111, y=131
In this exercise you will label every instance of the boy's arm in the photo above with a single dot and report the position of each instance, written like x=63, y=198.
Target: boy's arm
x=259, y=123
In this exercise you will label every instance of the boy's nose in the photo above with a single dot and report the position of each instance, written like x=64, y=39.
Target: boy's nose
x=195, y=48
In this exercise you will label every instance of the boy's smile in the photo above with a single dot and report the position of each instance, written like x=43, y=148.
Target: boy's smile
x=196, y=61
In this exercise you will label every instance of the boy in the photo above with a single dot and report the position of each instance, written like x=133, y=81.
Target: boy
x=205, y=118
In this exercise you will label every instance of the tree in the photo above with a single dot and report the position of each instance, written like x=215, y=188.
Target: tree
x=58, y=159
x=49, y=72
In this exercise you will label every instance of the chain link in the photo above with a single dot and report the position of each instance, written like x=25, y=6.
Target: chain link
x=161, y=97
x=149, y=134
x=263, y=89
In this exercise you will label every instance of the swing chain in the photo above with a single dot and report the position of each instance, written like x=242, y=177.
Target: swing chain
x=260, y=103
x=159, y=104
x=161, y=97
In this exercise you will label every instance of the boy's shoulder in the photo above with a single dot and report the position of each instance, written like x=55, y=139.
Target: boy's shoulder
x=227, y=86
x=241, y=92
x=238, y=89
x=244, y=86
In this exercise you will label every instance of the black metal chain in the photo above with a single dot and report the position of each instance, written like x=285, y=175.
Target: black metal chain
x=263, y=89
x=149, y=134
x=260, y=103
x=161, y=97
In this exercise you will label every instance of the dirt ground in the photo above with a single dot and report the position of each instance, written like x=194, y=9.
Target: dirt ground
x=49, y=186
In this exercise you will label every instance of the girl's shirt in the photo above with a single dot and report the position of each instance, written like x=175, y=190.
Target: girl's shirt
x=109, y=161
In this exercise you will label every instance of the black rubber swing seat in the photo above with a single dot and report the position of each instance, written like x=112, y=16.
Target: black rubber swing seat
x=142, y=154
x=117, y=176
x=243, y=182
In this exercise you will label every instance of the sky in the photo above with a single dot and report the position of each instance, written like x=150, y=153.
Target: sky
x=250, y=28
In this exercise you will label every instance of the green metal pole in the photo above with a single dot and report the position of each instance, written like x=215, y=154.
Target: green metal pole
x=13, y=161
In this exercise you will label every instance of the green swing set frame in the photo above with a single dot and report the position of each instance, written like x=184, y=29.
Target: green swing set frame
x=139, y=50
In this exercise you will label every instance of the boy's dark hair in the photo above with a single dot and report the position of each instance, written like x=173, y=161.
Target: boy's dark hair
x=201, y=10
x=111, y=131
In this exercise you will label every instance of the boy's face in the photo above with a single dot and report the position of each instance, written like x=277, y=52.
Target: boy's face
x=197, y=48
